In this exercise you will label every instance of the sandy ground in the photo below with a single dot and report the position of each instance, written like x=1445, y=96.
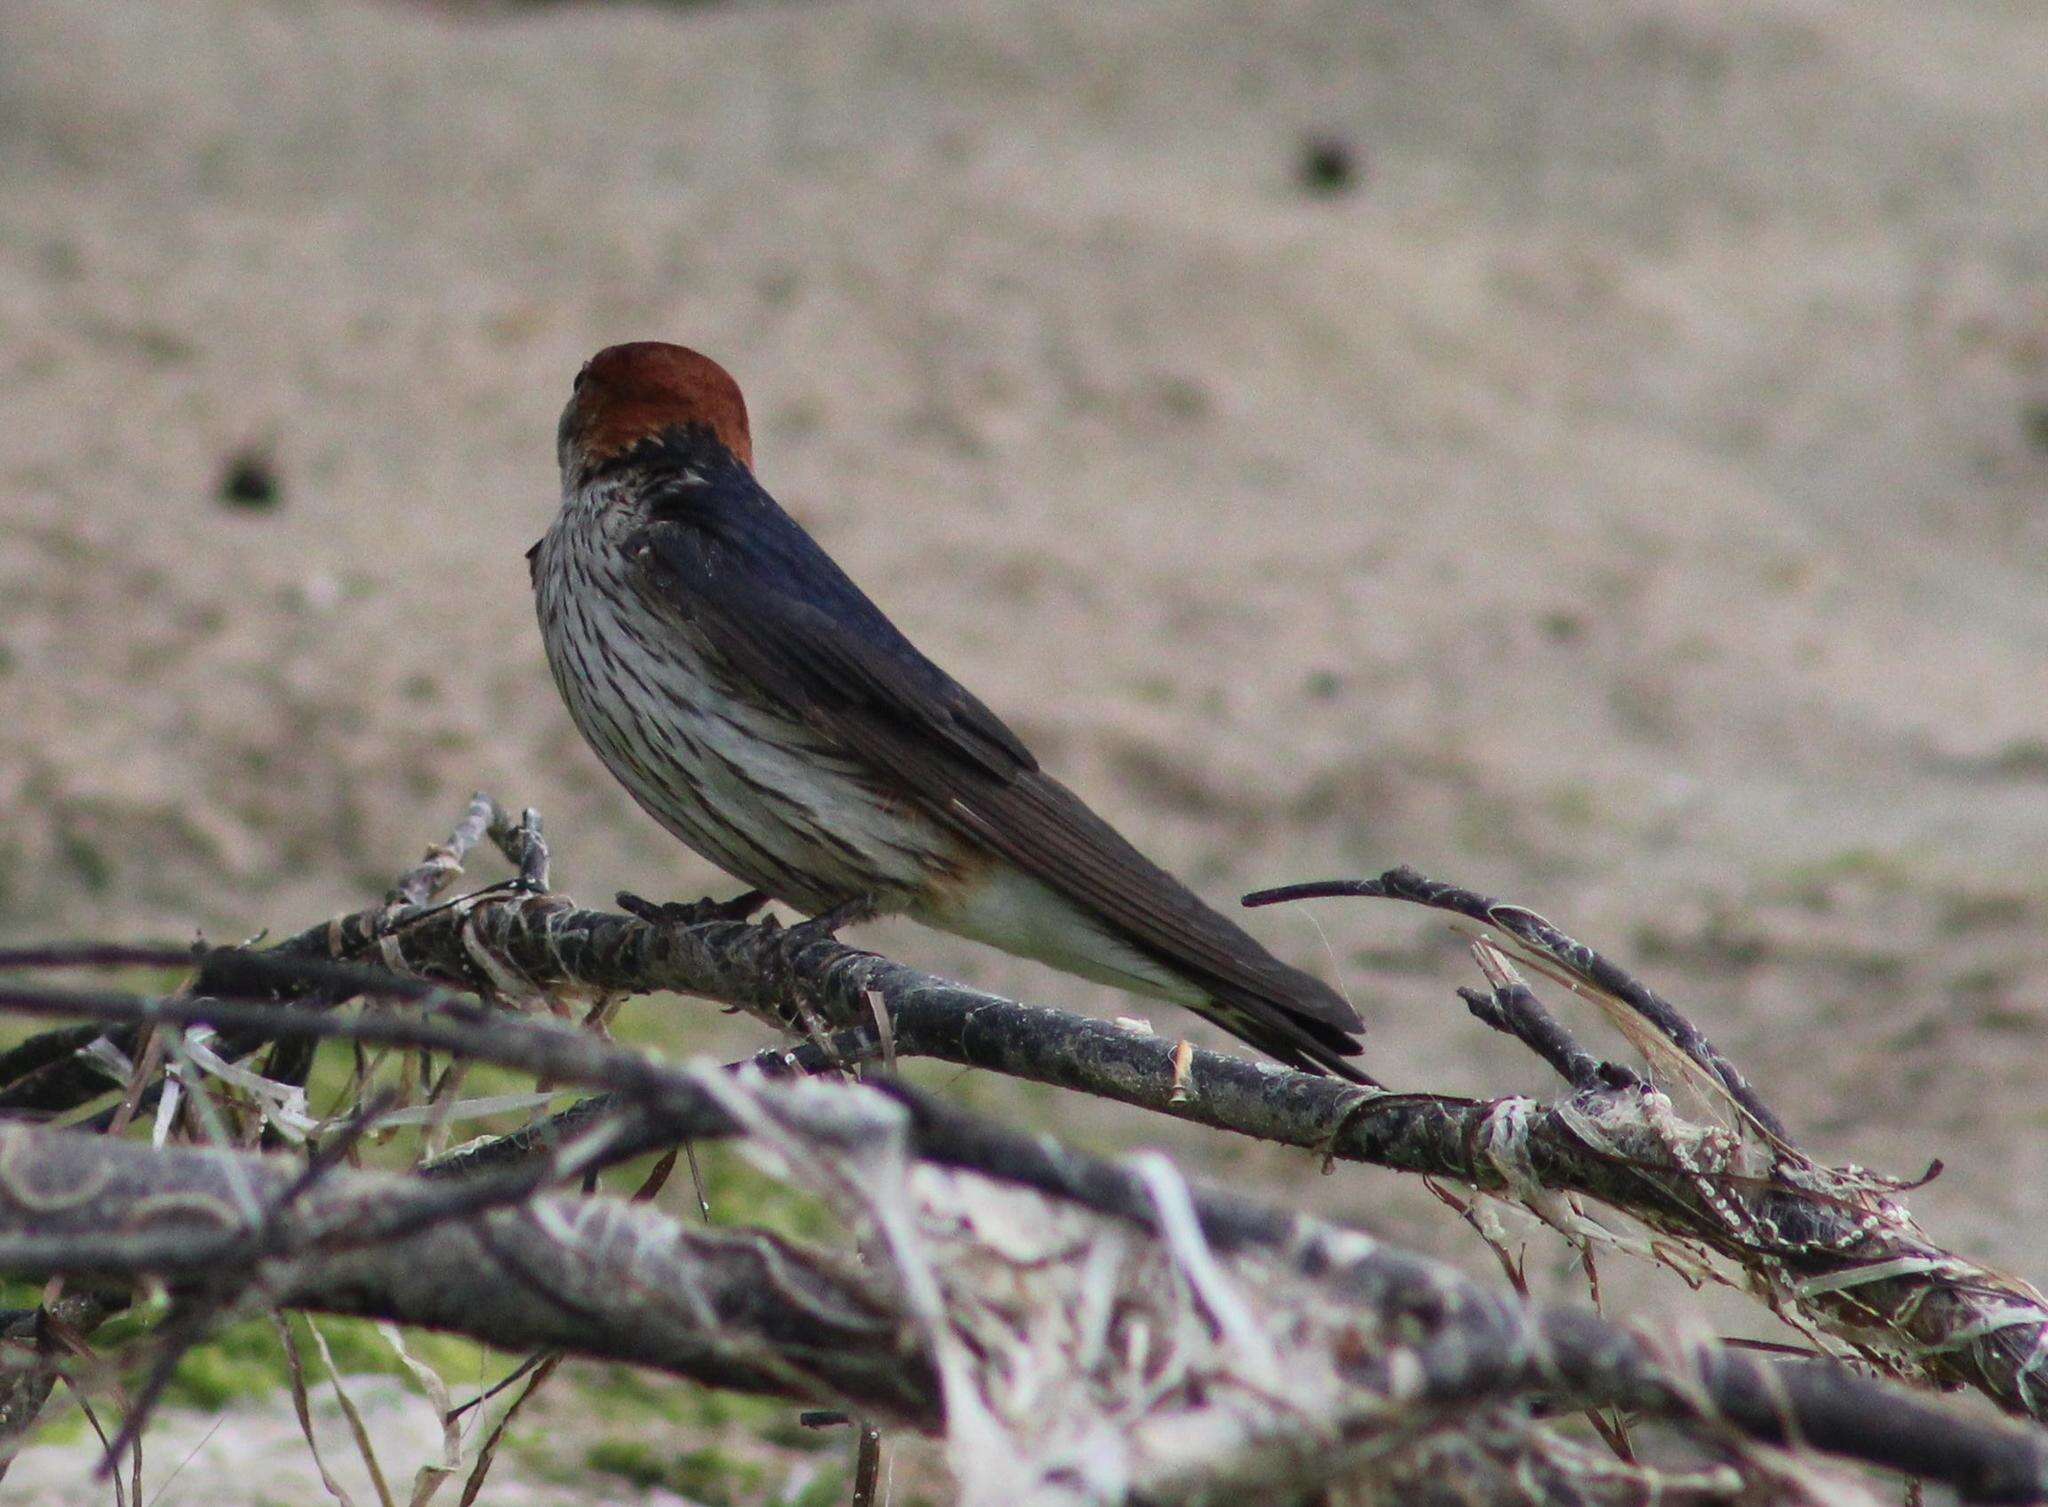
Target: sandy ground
x=1630, y=497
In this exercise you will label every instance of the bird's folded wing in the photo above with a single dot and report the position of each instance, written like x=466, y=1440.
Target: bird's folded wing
x=851, y=675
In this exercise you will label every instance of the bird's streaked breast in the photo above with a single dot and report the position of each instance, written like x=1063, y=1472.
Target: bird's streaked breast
x=747, y=785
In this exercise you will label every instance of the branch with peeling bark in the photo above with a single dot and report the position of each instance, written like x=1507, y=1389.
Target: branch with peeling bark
x=1837, y=1247
x=1403, y=1347
x=733, y=1308
x=1833, y=1249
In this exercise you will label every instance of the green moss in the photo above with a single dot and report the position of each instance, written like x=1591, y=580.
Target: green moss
x=211, y=1376
x=86, y=859
x=358, y=1349
x=1983, y=911
x=711, y=1476
x=1573, y=806
x=737, y=1410
x=63, y=1421
x=741, y=1194
x=625, y=1395
x=542, y=1459
x=245, y=1359
x=784, y=1431
x=827, y=1488
x=631, y=1459
x=130, y=1324
x=1884, y=873
x=715, y=1478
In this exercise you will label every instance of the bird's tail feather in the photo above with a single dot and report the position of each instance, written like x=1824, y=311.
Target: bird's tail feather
x=1300, y=1041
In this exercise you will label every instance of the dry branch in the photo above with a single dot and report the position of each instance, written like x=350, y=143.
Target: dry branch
x=603, y=1277
x=1460, y=1347
x=1835, y=1246
x=1436, y=1365
x=1385, y=1349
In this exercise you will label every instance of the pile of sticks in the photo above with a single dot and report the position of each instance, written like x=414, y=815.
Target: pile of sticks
x=1074, y=1329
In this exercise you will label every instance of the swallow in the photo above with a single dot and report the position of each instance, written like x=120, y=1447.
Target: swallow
x=762, y=709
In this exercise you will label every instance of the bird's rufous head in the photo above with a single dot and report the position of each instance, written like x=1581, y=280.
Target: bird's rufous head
x=627, y=394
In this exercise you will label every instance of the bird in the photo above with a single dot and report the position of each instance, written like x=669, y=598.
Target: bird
x=760, y=707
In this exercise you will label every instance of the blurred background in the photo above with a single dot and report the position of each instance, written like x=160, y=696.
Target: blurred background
x=1596, y=453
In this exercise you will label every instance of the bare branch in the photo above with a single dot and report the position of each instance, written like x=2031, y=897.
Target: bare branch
x=601, y=1277
x=1580, y=963
x=1464, y=1347
x=744, y=1310
x=1837, y=1245
x=1832, y=1248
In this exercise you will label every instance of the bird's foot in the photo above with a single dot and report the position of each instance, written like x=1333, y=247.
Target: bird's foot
x=827, y=924
x=781, y=982
x=692, y=912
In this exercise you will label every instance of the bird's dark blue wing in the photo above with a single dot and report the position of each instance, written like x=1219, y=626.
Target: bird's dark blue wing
x=783, y=620
x=767, y=600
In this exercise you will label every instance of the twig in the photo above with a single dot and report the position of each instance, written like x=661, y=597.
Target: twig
x=867, y=1473
x=1578, y=961
x=302, y=1405
x=443, y=864
x=1514, y=1009
x=524, y=848
x=543, y=1366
